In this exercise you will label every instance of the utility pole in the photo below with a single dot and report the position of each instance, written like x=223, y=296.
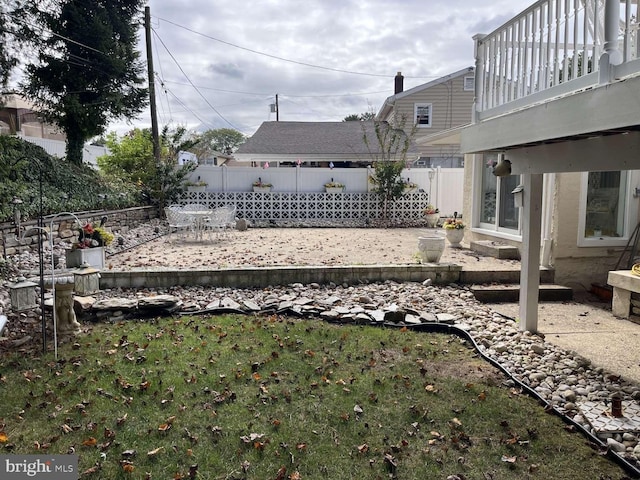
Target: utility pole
x=152, y=90
x=277, y=109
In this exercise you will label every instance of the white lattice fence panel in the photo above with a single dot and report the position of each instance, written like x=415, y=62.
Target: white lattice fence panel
x=310, y=207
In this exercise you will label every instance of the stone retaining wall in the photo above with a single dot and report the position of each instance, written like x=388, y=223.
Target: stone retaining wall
x=63, y=229
x=442, y=274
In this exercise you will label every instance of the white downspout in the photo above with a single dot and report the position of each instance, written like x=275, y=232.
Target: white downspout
x=547, y=225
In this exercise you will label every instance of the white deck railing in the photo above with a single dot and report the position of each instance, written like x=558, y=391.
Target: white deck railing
x=553, y=48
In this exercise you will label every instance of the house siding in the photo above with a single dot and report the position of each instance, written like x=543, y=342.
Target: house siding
x=451, y=107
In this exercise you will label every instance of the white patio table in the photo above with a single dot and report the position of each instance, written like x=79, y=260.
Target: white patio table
x=199, y=220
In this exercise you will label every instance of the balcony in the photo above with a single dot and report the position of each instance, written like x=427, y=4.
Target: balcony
x=562, y=70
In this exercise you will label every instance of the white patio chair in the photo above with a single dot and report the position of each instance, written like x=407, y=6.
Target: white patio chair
x=194, y=207
x=228, y=213
x=215, y=223
x=179, y=222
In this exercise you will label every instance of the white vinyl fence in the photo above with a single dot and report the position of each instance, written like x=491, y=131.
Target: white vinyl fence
x=57, y=148
x=444, y=187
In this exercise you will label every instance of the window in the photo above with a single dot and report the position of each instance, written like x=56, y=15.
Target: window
x=497, y=210
x=469, y=84
x=605, y=209
x=422, y=113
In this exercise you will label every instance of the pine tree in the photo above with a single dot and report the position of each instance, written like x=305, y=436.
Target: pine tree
x=88, y=71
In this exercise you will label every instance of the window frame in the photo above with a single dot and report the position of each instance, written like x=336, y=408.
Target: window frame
x=491, y=228
x=416, y=106
x=469, y=83
x=630, y=213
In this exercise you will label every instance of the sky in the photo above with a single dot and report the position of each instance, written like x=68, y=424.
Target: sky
x=221, y=63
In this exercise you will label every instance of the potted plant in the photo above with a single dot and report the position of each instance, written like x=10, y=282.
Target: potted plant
x=454, y=229
x=89, y=248
x=410, y=187
x=432, y=215
x=333, y=187
x=199, y=186
x=260, y=186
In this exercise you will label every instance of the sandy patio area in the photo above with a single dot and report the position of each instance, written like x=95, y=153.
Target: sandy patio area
x=262, y=247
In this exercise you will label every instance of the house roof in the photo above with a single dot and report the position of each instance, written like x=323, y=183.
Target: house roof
x=315, y=139
x=387, y=107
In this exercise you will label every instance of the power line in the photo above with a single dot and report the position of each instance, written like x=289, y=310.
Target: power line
x=285, y=94
x=188, y=109
x=192, y=84
x=257, y=52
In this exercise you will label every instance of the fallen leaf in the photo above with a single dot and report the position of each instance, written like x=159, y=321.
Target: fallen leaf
x=364, y=448
x=154, y=452
x=282, y=471
x=90, y=442
x=508, y=459
x=165, y=427
x=4, y=438
x=295, y=476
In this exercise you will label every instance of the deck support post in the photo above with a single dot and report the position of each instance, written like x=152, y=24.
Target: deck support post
x=530, y=264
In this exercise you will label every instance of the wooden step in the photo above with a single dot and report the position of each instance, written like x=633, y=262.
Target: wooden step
x=508, y=293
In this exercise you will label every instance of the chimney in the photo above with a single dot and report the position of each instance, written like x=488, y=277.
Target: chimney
x=399, y=84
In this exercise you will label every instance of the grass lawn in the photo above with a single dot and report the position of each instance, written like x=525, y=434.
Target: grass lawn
x=235, y=397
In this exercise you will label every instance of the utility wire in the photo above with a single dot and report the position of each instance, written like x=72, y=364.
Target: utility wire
x=192, y=84
x=284, y=94
x=204, y=122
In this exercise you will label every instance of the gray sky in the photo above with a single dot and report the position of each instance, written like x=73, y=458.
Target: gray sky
x=222, y=62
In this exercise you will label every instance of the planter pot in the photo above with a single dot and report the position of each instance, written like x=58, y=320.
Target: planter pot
x=430, y=248
x=432, y=219
x=92, y=256
x=261, y=189
x=455, y=236
x=334, y=189
x=199, y=188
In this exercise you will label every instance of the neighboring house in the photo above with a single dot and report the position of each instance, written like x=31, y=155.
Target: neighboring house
x=572, y=136
x=341, y=144
x=217, y=158
x=430, y=108
x=18, y=118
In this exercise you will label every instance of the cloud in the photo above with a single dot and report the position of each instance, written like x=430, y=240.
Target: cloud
x=325, y=59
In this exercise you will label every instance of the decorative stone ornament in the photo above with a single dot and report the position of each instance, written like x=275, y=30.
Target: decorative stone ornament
x=86, y=280
x=23, y=295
